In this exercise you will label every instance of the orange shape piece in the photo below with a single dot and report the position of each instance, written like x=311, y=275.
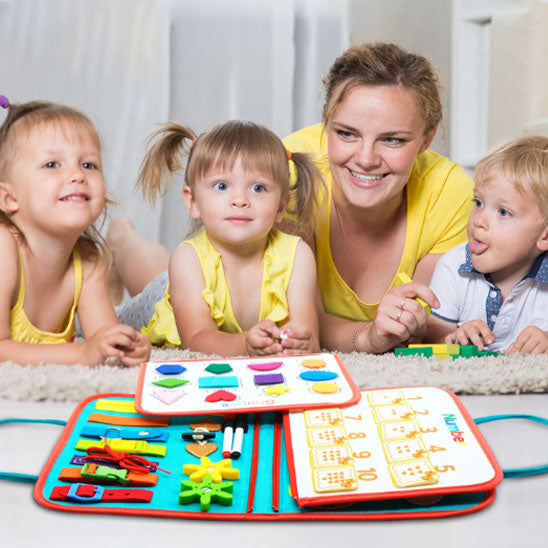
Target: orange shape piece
x=313, y=364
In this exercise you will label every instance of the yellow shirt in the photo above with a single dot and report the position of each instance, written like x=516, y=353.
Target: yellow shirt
x=279, y=258
x=439, y=201
x=23, y=330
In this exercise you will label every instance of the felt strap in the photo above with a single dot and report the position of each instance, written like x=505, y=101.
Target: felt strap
x=517, y=472
x=26, y=478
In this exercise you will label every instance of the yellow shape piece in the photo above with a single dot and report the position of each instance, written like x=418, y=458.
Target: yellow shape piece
x=313, y=364
x=216, y=470
x=277, y=390
x=120, y=406
x=324, y=387
x=440, y=349
x=401, y=279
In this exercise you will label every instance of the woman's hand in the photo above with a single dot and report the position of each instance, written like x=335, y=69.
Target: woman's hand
x=473, y=332
x=400, y=318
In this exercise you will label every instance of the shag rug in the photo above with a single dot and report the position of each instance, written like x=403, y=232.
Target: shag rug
x=485, y=375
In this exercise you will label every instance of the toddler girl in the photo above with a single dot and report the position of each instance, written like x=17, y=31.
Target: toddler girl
x=51, y=193
x=235, y=284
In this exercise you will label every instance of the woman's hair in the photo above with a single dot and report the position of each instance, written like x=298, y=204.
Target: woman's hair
x=20, y=120
x=523, y=161
x=383, y=64
x=257, y=147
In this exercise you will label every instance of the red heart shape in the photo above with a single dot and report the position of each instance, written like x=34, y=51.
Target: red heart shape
x=221, y=395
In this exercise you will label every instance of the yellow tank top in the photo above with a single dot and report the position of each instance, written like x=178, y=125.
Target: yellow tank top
x=439, y=201
x=23, y=330
x=279, y=258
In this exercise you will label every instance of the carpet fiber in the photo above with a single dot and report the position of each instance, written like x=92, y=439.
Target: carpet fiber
x=487, y=375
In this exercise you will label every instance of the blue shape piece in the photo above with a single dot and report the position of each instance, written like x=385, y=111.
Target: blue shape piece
x=218, y=382
x=270, y=378
x=318, y=375
x=170, y=369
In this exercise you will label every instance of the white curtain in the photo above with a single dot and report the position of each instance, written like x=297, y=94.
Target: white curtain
x=132, y=64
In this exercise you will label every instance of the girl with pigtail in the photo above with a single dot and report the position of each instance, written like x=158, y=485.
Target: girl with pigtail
x=239, y=285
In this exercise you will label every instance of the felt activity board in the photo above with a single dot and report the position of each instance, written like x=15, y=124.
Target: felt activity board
x=110, y=459
x=244, y=384
x=394, y=443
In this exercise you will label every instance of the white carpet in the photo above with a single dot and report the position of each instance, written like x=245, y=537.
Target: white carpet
x=489, y=375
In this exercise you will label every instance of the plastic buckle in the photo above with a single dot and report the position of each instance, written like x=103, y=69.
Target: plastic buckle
x=97, y=493
x=104, y=473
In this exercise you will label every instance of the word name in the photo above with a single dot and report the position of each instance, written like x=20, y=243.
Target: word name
x=451, y=423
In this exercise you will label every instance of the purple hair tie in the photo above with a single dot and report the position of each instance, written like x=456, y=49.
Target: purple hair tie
x=4, y=102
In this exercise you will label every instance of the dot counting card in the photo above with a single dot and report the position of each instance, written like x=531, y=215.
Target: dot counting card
x=244, y=385
x=394, y=443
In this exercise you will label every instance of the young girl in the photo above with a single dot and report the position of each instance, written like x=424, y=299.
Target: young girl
x=51, y=193
x=236, y=284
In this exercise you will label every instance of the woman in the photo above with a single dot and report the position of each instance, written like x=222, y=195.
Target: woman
x=392, y=205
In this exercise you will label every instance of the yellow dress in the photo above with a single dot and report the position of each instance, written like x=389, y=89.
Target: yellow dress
x=23, y=330
x=439, y=201
x=279, y=258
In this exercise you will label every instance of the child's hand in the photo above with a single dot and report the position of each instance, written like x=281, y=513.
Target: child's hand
x=532, y=340
x=117, y=341
x=297, y=340
x=140, y=352
x=474, y=332
x=259, y=339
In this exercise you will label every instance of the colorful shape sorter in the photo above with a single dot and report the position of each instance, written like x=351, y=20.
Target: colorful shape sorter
x=245, y=384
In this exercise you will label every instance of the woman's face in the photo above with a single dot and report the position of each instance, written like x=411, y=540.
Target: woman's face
x=374, y=136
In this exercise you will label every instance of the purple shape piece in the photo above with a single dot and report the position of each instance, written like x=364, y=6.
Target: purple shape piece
x=272, y=378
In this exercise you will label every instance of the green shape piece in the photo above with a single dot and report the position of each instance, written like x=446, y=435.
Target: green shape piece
x=488, y=353
x=170, y=383
x=219, y=368
x=105, y=473
x=206, y=492
x=468, y=350
x=424, y=351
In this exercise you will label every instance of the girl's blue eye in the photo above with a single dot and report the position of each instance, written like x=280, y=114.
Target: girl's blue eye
x=477, y=203
x=89, y=165
x=220, y=185
x=504, y=212
x=51, y=165
x=257, y=187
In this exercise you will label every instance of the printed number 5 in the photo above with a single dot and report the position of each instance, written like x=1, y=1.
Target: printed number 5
x=444, y=468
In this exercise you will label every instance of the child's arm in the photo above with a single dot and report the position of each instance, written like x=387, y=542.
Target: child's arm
x=104, y=336
x=29, y=353
x=302, y=325
x=532, y=340
x=197, y=329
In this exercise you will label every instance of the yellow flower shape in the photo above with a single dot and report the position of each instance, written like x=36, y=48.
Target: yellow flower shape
x=216, y=470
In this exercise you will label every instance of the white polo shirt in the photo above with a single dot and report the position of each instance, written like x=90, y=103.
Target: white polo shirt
x=466, y=294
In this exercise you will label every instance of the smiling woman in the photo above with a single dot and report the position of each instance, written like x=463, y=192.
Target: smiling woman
x=392, y=205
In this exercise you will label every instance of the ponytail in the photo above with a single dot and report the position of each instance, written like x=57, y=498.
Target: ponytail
x=166, y=147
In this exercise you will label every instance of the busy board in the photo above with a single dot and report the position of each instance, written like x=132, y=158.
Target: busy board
x=241, y=385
